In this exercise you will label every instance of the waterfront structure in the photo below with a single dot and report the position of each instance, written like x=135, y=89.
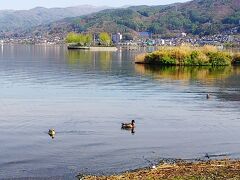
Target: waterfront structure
x=117, y=38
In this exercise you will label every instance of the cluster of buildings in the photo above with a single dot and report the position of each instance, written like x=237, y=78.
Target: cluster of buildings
x=143, y=39
x=183, y=38
x=216, y=40
x=34, y=40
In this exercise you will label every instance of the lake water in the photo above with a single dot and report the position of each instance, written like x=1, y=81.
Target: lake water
x=85, y=96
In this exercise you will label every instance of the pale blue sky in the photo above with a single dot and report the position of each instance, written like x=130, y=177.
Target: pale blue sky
x=28, y=4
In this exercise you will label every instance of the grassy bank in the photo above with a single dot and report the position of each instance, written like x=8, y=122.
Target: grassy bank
x=210, y=170
x=189, y=56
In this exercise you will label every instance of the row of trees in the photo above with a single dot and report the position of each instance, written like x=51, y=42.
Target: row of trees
x=80, y=39
x=87, y=39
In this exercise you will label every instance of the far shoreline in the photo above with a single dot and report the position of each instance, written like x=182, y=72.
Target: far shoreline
x=93, y=48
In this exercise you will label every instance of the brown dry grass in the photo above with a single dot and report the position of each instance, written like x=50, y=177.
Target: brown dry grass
x=140, y=58
x=210, y=170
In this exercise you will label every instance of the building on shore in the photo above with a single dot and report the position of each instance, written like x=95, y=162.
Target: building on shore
x=117, y=38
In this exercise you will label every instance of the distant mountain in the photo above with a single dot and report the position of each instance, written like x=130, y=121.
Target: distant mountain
x=11, y=20
x=201, y=17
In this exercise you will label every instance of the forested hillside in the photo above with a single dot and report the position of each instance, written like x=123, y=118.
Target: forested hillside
x=202, y=17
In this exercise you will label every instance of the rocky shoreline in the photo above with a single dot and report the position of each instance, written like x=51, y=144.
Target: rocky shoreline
x=181, y=170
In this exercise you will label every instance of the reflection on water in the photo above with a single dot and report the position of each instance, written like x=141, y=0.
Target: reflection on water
x=188, y=73
x=86, y=95
x=87, y=58
x=225, y=77
x=80, y=57
x=132, y=130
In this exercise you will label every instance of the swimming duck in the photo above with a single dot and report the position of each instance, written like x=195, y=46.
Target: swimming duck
x=207, y=156
x=128, y=125
x=208, y=96
x=51, y=133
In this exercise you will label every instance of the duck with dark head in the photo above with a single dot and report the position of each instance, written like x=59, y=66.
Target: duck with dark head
x=208, y=96
x=52, y=133
x=128, y=125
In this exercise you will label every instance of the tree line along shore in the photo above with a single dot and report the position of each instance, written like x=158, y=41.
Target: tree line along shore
x=189, y=56
x=87, y=40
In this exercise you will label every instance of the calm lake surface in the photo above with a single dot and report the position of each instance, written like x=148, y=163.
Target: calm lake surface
x=85, y=96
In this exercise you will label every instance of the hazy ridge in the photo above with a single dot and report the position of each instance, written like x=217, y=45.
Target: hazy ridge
x=21, y=19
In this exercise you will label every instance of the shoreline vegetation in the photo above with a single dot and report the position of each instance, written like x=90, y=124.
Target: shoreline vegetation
x=201, y=170
x=91, y=48
x=189, y=56
x=78, y=41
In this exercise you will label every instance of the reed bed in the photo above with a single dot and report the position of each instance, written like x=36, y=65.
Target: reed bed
x=188, y=56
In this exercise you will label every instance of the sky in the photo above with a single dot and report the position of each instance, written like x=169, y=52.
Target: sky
x=28, y=4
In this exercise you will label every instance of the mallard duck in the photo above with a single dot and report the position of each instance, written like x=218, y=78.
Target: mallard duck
x=51, y=133
x=128, y=125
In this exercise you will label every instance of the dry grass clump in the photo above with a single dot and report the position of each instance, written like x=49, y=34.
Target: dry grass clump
x=208, y=48
x=210, y=170
x=140, y=58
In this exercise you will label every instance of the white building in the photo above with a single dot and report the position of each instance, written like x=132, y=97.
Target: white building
x=162, y=42
x=183, y=34
x=116, y=38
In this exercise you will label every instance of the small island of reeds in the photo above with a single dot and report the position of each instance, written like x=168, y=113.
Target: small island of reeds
x=189, y=56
